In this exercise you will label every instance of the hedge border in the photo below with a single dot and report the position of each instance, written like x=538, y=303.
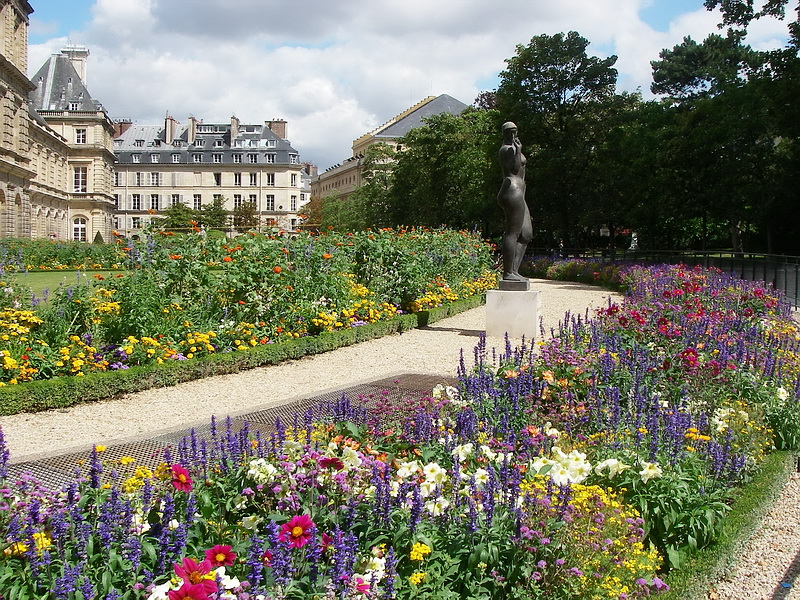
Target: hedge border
x=704, y=569
x=63, y=392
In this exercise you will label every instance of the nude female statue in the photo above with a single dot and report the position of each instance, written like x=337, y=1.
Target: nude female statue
x=511, y=197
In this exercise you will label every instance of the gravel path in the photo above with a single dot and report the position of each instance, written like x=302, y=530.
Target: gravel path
x=771, y=558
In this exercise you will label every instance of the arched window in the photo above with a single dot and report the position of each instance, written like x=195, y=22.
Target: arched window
x=79, y=229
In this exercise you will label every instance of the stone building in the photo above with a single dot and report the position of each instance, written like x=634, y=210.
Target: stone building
x=192, y=163
x=55, y=145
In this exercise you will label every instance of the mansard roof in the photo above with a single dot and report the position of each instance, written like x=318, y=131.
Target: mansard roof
x=413, y=117
x=59, y=88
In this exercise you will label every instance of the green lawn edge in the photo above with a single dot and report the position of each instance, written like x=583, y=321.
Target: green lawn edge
x=63, y=392
x=753, y=501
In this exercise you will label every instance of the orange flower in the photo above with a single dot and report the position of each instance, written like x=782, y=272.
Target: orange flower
x=276, y=270
x=226, y=259
x=98, y=276
x=175, y=256
x=326, y=256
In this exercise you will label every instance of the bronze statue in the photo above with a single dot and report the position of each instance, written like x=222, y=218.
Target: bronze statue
x=511, y=197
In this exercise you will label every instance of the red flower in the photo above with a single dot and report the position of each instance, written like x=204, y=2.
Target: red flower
x=297, y=532
x=187, y=590
x=226, y=259
x=266, y=558
x=220, y=556
x=331, y=462
x=180, y=479
x=195, y=577
x=276, y=270
x=361, y=585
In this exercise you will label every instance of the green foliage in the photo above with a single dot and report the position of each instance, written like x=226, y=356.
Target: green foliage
x=177, y=216
x=214, y=214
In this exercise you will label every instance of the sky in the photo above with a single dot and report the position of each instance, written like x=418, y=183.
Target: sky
x=337, y=69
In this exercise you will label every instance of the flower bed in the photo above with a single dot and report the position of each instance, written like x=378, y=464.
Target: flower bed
x=185, y=297
x=578, y=470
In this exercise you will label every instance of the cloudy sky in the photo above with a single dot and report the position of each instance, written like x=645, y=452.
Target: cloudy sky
x=336, y=69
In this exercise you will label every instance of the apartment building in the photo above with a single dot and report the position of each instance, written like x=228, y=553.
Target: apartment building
x=55, y=145
x=192, y=163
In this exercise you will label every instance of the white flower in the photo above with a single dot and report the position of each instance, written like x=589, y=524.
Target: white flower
x=434, y=473
x=426, y=488
x=376, y=567
x=250, y=523
x=394, y=488
x=612, y=465
x=261, y=471
x=173, y=524
x=490, y=454
x=350, y=458
x=292, y=447
x=438, y=506
x=560, y=475
x=481, y=477
x=650, y=471
x=551, y=431
x=225, y=581
x=407, y=469
x=540, y=463
x=438, y=390
x=160, y=592
x=783, y=394
x=463, y=451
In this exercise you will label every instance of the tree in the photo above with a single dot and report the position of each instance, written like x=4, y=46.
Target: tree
x=448, y=174
x=178, y=216
x=214, y=214
x=691, y=70
x=245, y=216
x=740, y=13
x=562, y=100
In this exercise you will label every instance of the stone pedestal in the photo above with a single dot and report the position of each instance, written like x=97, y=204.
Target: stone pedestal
x=515, y=313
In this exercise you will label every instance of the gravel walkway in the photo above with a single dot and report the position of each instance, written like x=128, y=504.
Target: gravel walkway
x=765, y=571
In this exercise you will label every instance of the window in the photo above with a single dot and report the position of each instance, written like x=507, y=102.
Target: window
x=176, y=158
x=139, y=179
x=302, y=198
x=270, y=202
x=155, y=179
x=293, y=159
x=294, y=179
x=217, y=158
x=270, y=180
x=80, y=136
x=136, y=158
x=80, y=178
x=237, y=201
x=117, y=178
x=138, y=143
x=253, y=178
x=218, y=143
x=252, y=158
x=177, y=143
x=136, y=222
x=237, y=158
x=252, y=199
x=270, y=143
x=198, y=158
x=175, y=199
x=197, y=202
x=154, y=202
x=154, y=158
x=270, y=159
x=293, y=223
x=217, y=178
x=136, y=202
x=74, y=106
x=237, y=179
x=293, y=203
x=116, y=201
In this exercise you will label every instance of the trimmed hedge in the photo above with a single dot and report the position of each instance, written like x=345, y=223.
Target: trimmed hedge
x=62, y=392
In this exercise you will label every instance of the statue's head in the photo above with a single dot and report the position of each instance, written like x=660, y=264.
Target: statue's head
x=509, y=128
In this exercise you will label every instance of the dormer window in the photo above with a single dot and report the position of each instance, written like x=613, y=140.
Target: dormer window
x=74, y=106
x=138, y=143
x=218, y=143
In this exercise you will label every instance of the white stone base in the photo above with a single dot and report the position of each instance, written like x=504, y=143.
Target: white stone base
x=514, y=313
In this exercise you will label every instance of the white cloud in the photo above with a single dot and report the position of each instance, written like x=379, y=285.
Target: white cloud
x=335, y=70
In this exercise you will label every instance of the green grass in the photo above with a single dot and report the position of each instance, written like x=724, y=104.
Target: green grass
x=38, y=281
x=693, y=581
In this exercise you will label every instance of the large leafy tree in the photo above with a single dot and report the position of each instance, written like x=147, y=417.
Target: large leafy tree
x=562, y=100
x=447, y=173
x=738, y=14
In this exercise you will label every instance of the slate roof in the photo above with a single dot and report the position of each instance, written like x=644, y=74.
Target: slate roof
x=149, y=143
x=402, y=124
x=59, y=87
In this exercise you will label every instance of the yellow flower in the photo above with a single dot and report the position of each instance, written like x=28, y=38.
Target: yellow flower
x=126, y=460
x=419, y=551
x=417, y=578
x=100, y=448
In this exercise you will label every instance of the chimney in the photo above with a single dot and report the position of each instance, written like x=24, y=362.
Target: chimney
x=234, y=128
x=121, y=126
x=278, y=127
x=77, y=56
x=191, y=133
x=170, y=126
